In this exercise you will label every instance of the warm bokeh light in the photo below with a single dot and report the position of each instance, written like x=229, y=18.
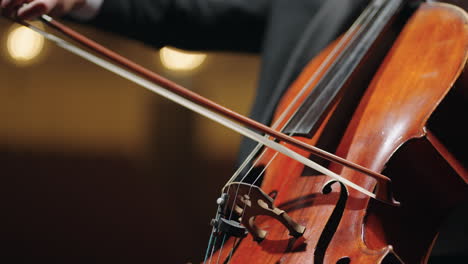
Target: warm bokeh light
x=24, y=45
x=177, y=60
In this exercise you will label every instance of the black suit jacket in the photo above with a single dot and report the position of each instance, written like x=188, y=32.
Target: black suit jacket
x=287, y=34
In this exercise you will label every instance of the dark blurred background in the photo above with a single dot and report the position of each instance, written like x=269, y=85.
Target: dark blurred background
x=97, y=169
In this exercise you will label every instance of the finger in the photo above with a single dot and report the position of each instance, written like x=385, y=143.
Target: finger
x=33, y=10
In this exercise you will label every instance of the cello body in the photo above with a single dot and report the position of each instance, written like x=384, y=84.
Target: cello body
x=405, y=123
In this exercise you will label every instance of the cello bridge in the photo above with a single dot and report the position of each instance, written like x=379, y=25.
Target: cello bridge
x=250, y=201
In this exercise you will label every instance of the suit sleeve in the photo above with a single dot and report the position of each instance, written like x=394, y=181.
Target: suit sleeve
x=219, y=25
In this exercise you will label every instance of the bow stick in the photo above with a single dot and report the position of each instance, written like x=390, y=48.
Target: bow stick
x=208, y=108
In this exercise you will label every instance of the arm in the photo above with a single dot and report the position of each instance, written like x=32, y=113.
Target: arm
x=234, y=25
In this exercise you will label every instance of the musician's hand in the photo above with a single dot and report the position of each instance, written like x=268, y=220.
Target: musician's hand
x=31, y=9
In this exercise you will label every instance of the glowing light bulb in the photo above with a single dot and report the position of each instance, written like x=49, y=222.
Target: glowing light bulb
x=24, y=45
x=177, y=60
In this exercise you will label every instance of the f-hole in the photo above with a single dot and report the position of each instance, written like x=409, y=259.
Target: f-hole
x=332, y=225
x=344, y=260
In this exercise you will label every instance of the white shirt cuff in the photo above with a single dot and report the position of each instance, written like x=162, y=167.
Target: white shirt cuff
x=88, y=11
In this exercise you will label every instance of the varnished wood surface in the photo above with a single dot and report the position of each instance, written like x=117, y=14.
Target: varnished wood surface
x=387, y=133
x=419, y=71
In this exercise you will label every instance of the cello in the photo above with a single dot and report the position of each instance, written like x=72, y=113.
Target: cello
x=325, y=215
x=400, y=127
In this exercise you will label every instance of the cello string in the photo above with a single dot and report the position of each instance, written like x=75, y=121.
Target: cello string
x=213, y=249
x=335, y=51
x=379, y=6
x=230, y=216
x=345, y=39
x=232, y=250
x=300, y=121
x=362, y=21
x=369, y=18
x=222, y=245
x=363, y=24
x=210, y=240
x=304, y=89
